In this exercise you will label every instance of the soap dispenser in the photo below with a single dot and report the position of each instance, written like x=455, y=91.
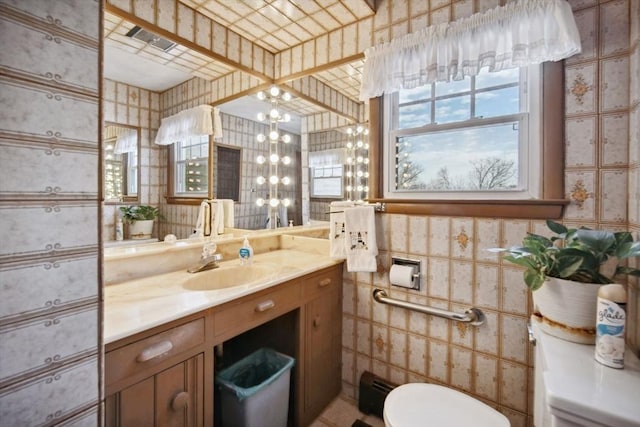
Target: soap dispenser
x=246, y=253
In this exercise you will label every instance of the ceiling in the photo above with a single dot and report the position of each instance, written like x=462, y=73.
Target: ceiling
x=272, y=24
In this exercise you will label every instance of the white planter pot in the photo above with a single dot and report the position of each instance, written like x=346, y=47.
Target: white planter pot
x=567, y=309
x=141, y=229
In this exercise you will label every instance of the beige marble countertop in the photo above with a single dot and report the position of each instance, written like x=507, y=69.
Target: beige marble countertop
x=137, y=305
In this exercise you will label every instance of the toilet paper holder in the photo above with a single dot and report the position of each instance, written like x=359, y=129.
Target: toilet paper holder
x=413, y=263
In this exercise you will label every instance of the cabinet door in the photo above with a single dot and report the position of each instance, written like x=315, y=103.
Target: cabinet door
x=172, y=398
x=323, y=351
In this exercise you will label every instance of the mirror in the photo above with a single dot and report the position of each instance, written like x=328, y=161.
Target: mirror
x=121, y=145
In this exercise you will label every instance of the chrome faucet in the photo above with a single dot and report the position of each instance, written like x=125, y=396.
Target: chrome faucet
x=208, y=260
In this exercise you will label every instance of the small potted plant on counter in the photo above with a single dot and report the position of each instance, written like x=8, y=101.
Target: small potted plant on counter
x=566, y=271
x=140, y=219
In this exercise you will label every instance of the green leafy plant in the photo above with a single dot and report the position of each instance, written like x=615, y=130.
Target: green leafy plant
x=139, y=213
x=582, y=255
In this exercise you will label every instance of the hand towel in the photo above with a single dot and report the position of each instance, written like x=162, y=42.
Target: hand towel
x=337, y=246
x=210, y=219
x=217, y=217
x=229, y=215
x=360, y=239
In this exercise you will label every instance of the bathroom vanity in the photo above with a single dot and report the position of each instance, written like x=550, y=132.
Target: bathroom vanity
x=167, y=335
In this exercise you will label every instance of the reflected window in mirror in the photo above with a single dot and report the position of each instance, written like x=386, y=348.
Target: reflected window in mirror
x=228, y=169
x=475, y=138
x=121, y=163
x=326, y=169
x=190, y=166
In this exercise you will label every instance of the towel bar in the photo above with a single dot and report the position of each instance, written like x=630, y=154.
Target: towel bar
x=378, y=207
x=473, y=316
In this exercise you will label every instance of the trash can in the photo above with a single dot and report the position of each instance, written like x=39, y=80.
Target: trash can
x=254, y=392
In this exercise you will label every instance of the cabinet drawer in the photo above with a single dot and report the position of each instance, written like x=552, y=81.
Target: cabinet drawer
x=315, y=284
x=245, y=314
x=146, y=353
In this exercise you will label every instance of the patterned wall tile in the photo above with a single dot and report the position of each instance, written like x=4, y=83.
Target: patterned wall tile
x=581, y=190
x=614, y=27
x=514, y=344
x=461, y=367
x=462, y=238
x=580, y=141
x=486, y=376
x=615, y=139
x=417, y=355
x=417, y=235
x=462, y=279
x=438, y=361
x=514, y=291
x=614, y=84
x=398, y=225
x=613, y=206
x=487, y=293
x=580, y=86
x=486, y=338
x=513, y=389
x=587, y=22
x=438, y=278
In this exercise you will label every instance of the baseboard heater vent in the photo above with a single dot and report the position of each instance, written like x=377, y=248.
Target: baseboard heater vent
x=373, y=391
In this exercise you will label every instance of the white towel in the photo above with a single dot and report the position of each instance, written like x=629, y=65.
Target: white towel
x=337, y=246
x=229, y=215
x=210, y=219
x=360, y=239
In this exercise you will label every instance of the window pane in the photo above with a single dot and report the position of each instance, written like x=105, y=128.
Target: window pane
x=452, y=87
x=414, y=115
x=486, y=79
x=471, y=159
x=416, y=94
x=192, y=160
x=498, y=102
x=453, y=109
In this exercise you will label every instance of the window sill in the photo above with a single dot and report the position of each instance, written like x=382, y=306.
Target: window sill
x=172, y=200
x=526, y=209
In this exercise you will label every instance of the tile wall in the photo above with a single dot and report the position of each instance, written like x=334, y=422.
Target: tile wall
x=50, y=348
x=134, y=106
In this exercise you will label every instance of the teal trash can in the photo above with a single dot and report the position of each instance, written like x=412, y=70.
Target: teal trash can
x=254, y=392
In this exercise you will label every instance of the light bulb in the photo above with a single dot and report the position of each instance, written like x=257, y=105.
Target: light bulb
x=360, y=144
x=109, y=147
x=349, y=188
x=261, y=96
x=261, y=159
x=359, y=129
x=286, y=117
x=274, y=202
x=260, y=180
x=286, y=138
x=260, y=201
x=273, y=180
x=360, y=174
x=349, y=174
x=349, y=160
x=366, y=188
x=261, y=117
x=349, y=131
x=286, y=180
x=286, y=96
x=366, y=160
x=349, y=145
x=359, y=159
x=366, y=146
x=274, y=91
x=286, y=160
x=366, y=174
x=274, y=113
x=286, y=202
x=359, y=187
x=366, y=131
x=274, y=158
x=273, y=135
x=260, y=137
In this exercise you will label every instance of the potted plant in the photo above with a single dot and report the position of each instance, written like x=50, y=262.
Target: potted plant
x=140, y=219
x=565, y=272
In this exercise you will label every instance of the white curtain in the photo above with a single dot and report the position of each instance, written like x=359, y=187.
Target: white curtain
x=521, y=33
x=192, y=122
x=327, y=157
x=126, y=142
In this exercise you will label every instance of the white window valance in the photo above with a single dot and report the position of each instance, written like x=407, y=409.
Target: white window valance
x=195, y=121
x=521, y=33
x=327, y=157
x=126, y=142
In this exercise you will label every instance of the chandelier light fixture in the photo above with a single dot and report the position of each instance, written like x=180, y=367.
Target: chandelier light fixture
x=273, y=138
x=357, y=167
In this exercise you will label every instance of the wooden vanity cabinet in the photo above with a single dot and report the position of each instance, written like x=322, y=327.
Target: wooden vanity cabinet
x=322, y=341
x=165, y=376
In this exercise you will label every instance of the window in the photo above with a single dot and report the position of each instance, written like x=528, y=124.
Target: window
x=326, y=169
x=191, y=172
x=477, y=138
x=228, y=173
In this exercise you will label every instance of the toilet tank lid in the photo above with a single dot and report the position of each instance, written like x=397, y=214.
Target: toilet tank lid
x=410, y=403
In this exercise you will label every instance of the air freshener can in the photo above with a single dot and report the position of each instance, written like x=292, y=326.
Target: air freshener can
x=610, y=325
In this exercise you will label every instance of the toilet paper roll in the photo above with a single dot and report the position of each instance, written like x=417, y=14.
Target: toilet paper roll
x=401, y=275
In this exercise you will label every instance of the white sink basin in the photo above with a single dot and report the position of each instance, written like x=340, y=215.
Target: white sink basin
x=230, y=276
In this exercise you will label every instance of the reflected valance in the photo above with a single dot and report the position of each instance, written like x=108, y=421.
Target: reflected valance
x=521, y=33
x=126, y=142
x=195, y=121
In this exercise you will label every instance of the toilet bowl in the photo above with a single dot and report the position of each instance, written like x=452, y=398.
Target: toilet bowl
x=419, y=404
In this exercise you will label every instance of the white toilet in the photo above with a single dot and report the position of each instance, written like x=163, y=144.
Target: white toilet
x=420, y=404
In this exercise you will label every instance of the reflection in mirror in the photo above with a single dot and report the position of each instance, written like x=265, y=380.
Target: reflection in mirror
x=121, y=168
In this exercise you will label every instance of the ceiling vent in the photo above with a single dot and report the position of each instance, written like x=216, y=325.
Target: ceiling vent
x=150, y=38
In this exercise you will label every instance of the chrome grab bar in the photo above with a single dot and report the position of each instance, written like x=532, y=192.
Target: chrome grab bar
x=473, y=316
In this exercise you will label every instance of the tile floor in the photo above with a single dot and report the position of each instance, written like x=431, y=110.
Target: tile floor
x=343, y=412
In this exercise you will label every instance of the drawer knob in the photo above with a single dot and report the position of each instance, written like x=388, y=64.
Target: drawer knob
x=180, y=400
x=155, y=350
x=324, y=282
x=265, y=305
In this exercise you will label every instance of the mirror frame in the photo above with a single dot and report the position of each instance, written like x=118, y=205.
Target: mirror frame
x=551, y=203
x=125, y=198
